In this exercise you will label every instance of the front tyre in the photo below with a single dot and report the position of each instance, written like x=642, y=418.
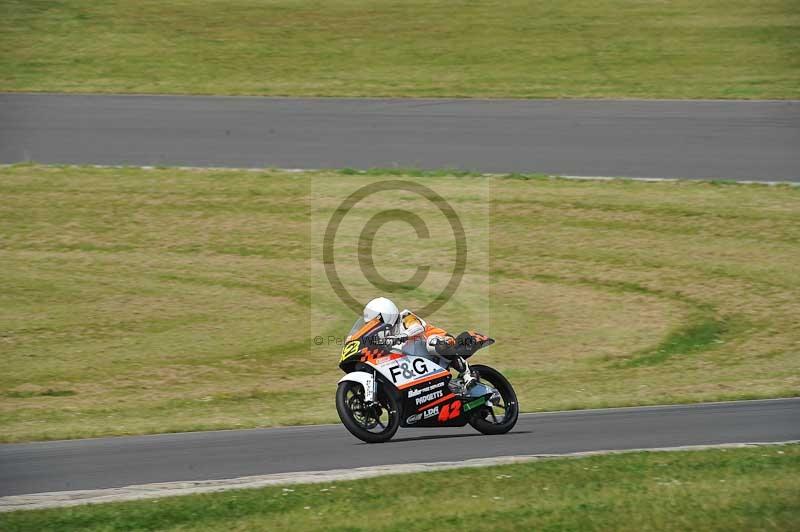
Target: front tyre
x=374, y=423
x=502, y=414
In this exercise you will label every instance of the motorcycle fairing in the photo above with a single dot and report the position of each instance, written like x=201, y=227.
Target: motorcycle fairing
x=358, y=345
x=433, y=404
x=423, y=388
x=453, y=412
x=443, y=412
x=404, y=371
x=421, y=383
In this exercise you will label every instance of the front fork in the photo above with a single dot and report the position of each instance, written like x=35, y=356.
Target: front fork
x=371, y=394
x=371, y=389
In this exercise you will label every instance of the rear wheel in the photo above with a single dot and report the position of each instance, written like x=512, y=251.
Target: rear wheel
x=501, y=413
x=372, y=423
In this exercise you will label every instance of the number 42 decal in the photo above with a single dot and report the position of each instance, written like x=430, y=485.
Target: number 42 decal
x=450, y=411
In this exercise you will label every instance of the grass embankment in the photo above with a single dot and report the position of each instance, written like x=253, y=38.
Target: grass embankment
x=742, y=489
x=138, y=301
x=509, y=48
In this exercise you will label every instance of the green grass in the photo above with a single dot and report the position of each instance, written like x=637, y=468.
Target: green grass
x=409, y=48
x=742, y=489
x=139, y=301
x=696, y=336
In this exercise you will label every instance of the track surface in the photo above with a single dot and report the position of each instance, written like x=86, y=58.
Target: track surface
x=691, y=139
x=117, y=462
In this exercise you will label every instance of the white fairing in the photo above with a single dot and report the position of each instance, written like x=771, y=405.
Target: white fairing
x=365, y=380
x=407, y=370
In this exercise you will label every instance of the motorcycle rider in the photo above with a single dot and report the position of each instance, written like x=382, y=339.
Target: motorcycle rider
x=419, y=338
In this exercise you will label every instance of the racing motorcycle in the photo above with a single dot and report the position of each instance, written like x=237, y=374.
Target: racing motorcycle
x=386, y=388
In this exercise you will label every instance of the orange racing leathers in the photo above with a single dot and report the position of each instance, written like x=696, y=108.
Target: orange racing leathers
x=423, y=337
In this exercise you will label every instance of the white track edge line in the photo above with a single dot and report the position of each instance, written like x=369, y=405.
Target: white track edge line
x=791, y=182
x=395, y=99
x=165, y=489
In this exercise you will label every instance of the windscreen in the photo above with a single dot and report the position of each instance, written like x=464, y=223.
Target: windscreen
x=356, y=326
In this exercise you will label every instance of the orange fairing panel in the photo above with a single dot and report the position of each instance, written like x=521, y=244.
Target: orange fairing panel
x=378, y=356
x=366, y=328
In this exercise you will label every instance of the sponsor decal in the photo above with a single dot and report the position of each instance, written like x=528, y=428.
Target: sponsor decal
x=450, y=411
x=416, y=392
x=430, y=412
x=416, y=367
x=372, y=355
x=474, y=404
x=350, y=349
x=413, y=419
x=429, y=397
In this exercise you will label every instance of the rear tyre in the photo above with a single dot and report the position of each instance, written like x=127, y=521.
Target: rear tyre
x=374, y=423
x=502, y=415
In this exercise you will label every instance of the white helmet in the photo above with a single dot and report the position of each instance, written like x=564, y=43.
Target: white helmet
x=380, y=306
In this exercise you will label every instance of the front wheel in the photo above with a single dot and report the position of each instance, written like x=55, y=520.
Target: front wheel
x=501, y=415
x=371, y=423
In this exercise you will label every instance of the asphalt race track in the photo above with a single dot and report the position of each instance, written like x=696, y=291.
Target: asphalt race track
x=116, y=462
x=745, y=140
x=692, y=139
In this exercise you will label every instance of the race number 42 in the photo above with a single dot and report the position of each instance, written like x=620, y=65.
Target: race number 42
x=450, y=411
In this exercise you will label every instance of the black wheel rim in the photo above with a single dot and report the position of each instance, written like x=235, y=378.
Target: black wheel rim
x=502, y=408
x=375, y=418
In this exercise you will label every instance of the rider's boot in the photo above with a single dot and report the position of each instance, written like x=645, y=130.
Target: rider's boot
x=465, y=379
x=469, y=379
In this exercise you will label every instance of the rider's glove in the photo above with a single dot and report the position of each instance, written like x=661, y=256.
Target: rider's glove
x=399, y=340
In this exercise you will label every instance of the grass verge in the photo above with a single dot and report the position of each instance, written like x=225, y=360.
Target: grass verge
x=415, y=48
x=139, y=301
x=731, y=489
